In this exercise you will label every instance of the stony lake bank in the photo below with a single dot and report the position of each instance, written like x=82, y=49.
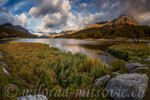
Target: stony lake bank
x=27, y=66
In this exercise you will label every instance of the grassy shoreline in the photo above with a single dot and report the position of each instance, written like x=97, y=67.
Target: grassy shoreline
x=109, y=40
x=5, y=39
x=135, y=53
x=33, y=64
x=130, y=51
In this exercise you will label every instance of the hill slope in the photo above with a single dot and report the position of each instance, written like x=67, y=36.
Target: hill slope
x=118, y=22
x=8, y=31
x=122, y=26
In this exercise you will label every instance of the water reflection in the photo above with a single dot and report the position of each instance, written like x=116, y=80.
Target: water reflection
x=74, y=46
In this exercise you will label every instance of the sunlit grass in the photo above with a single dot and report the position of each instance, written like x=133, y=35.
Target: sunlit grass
x=130, y=51
x=33, y=64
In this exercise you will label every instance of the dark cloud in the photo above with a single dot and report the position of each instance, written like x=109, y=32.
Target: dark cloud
x=54, y=14
x=3, y=2
x=44, y=7
x=7, y=17
x=138, y=9
x=3, y=9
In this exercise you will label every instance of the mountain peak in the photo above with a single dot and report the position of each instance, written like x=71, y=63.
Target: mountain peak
x=16, y=27
x=123, y=20
x=123, y=15
x=7, y=24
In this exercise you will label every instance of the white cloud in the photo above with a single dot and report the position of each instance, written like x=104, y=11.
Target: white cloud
x=7, y=17
x=21, y=20
x=54, y=14
x=82, y=21
x=19, y=5
x=57, y=15
x=45, y=7
x=82, y=6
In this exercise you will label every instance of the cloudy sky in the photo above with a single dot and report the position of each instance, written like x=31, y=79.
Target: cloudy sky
x=45, y=16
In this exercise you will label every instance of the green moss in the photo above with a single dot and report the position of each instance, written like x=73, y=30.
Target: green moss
x=130, y=51
x=119, y=66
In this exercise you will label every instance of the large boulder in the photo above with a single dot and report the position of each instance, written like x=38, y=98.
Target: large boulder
x=128, y=86
x=116, y=73
x=33, y=97
x=139, y=69
x=132, y=66
x=102, y=80
x=147, y=60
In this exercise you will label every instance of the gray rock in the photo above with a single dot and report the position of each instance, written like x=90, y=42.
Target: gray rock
x=5, y=71
x=131, y=61
x=116, y=73
x=102, y=80
x=139, y=69
x=147, y=60
x=33, y=97
x=4, y=64
x=128, y=86
x=132, y=66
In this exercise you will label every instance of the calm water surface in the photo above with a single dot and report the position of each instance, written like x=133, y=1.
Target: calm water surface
x=74, y=46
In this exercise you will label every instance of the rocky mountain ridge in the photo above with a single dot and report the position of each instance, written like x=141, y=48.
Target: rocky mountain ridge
x=118, y=22
x=8, y=30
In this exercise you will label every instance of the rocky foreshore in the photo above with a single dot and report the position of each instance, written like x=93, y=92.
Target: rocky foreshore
x=131, y=85
x=127, y=86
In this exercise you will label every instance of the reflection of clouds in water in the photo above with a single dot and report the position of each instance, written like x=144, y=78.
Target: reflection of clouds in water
x=71, y=45
x=76, y=49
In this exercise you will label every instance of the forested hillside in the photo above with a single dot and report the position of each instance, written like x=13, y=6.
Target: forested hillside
x=125, y=31
x=9, y=32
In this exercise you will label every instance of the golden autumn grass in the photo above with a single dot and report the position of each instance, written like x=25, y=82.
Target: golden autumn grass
x=130, y=51
x=134, y=52
x=33, y=64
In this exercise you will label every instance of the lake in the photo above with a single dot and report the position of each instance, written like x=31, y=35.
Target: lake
x=89, y=47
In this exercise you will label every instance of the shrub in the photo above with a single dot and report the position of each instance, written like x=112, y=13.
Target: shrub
x=118, y=65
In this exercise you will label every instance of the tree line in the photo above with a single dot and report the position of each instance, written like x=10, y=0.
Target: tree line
x=134, y=32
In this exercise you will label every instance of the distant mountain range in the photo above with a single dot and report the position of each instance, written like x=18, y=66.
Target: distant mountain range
x=57, y=35
x=8, y=30
x=64, y=33
x=115, y=23
x=121, y=21
x=120, y=26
